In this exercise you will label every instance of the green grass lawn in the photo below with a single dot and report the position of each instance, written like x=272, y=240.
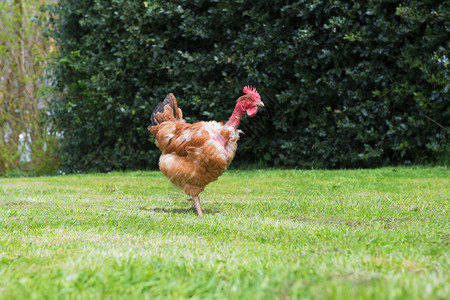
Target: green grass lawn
x=351, y=234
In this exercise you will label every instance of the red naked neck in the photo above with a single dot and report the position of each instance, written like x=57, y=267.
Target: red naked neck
x=233, y=122
x=236, y=116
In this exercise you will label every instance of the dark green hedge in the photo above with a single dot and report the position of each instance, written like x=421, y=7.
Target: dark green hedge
x=345, y=84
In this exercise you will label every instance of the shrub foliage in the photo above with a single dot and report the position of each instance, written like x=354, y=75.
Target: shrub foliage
x=345, y=83
x=25, y=144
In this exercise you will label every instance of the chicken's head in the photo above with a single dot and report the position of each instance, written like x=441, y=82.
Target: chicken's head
x=251, y=101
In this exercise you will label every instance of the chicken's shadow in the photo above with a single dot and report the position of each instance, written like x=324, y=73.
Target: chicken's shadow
x=178, y=210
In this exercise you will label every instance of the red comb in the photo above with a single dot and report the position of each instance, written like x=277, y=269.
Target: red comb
x=249, y=90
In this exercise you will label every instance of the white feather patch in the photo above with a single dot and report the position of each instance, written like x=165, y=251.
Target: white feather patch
x=186, y=135
x=167, y=161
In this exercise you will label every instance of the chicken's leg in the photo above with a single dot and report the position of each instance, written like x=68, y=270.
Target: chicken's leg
x=193, y=206
x=197, y=205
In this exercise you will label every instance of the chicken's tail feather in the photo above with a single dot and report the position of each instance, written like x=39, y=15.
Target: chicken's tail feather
x=165, y=111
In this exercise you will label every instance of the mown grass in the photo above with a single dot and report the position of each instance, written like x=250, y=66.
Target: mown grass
x=353, y=234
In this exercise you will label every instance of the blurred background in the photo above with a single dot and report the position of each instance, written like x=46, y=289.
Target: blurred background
x=345, y=84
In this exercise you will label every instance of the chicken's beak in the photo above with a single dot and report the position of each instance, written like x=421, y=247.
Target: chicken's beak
x=260, y=103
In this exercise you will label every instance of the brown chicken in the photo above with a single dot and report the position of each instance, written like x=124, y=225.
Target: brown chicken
x=193, y=155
